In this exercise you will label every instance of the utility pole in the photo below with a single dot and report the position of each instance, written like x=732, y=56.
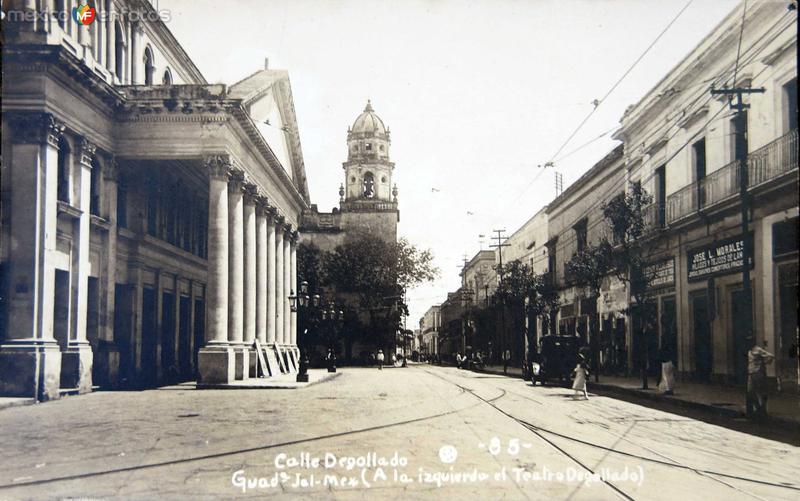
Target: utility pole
x=741, y=161
x=463, y=305
x=499, y=245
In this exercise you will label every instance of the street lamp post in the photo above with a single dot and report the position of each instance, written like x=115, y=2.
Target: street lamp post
x=301, y=304
x=334, y=321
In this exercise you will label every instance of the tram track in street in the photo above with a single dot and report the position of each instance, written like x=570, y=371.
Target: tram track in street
x=664, y=460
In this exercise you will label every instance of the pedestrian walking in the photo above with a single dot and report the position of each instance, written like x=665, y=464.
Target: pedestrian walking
x=757, y=360
x=458, y=360
x=581, y=375
x=506, y=359
x=667, y=383
x=380, y=359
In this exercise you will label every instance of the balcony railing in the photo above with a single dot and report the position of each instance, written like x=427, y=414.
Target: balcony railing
x=768, y=162
x=773, y=160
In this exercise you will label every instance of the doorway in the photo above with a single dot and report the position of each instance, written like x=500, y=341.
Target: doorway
x=123, y=339
x=701, y=329
x=739, y=332
x=184, y=339
x=669, y=331
x=199, y=329
x=61, y=309
x=787, y=350
x=149, y=337
x=169, y=370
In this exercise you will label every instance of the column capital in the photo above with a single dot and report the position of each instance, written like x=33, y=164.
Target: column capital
x=250, y=191
x=36, y=128
x=218, y=166
x=278, y=218
x=288, y=228
x=294, y=236
x=236, y=181
x=86, y=152
x=262, y=205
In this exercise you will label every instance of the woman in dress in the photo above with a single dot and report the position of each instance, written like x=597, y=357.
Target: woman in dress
x=581, y=374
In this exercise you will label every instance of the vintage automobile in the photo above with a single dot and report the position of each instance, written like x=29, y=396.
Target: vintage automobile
x=555, y=360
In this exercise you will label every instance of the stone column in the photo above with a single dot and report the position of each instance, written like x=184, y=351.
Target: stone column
x=287, y=287
x=272, y=282
x=236, y=268
x=262, y=240
x=110, y=42
x=133, y=60
x=250, y=276
x=293, y=271
x=215, y=360
x=76, y=361
x=30, y=359
x=279, y=277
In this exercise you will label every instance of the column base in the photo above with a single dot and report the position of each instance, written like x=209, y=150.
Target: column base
x=253, y=358
x=216, y=365
x=30, y=368
x=242, y=364
x=76, y=367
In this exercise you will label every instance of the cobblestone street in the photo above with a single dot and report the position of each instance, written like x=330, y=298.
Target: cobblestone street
x=181, y=443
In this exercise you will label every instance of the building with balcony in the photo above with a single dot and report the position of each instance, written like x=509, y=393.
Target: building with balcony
x=149, y=219
x=683, y=145
x=479, y=277
x=575, y=221
x=429, y=325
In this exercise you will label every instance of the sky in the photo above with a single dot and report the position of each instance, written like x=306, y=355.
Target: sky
x=477, y=94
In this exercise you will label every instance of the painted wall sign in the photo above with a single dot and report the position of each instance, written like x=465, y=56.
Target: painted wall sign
x=716, y=259
x=661, y=273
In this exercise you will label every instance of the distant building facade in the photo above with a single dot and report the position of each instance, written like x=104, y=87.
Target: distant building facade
x=430, y=324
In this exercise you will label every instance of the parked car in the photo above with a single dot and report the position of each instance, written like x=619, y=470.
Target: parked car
x=555, y=360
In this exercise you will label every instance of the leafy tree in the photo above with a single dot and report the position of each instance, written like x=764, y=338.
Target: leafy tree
x=372, y=277
x=625, y=254
x=588, y=268
x=527, y=294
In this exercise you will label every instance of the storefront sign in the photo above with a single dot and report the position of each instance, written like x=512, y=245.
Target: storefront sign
x=718, y=258
x=661, y=274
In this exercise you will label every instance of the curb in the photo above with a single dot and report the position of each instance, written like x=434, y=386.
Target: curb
x=17, y=403
x=287, y=385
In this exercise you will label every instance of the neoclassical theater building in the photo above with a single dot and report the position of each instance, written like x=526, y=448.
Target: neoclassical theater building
x=149, y=219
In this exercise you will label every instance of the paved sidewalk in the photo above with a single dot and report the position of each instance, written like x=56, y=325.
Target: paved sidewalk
x=783, y=408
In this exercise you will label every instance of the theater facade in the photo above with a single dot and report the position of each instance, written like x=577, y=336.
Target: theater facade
x=149, y=219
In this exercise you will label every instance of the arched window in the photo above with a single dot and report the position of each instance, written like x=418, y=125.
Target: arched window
x=119, y=52
x=369, y=185
x=63, y=170
x=167, y=78
x=149, y=67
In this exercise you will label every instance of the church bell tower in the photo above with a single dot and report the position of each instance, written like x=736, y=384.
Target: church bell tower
x=368, y=171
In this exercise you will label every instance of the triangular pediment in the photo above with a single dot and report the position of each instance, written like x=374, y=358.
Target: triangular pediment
x=267, y=98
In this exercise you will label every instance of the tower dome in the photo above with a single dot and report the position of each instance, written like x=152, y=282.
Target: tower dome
x=368, y=123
